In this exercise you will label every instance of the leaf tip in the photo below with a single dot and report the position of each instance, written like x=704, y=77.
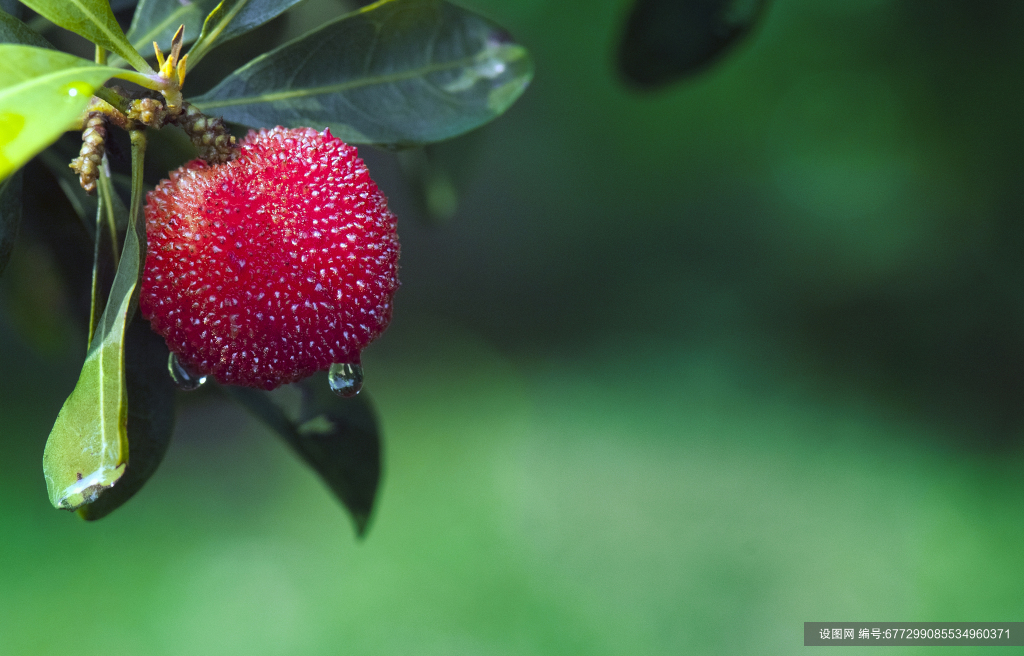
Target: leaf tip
x=85, y=490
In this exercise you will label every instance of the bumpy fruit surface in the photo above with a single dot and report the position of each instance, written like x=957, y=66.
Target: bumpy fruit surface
x=268, y=268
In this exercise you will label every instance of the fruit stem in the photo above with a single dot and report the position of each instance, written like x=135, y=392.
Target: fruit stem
x=93, y=304
x=135, y=222
x=107, y=198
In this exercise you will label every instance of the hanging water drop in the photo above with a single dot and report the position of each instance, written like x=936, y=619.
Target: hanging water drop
x=182, y=377
x=346, y=378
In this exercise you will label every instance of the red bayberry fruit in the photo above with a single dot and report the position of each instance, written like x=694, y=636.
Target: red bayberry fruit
x=273, y=266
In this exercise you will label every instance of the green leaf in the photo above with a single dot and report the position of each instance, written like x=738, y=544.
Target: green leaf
x=12, y=7
x=84, y=205
x=42, y=93
x=87, y=450
x=94, y=20
x=667, y=40
x=431, y=182
x=337, y=437
x=10, y=216
x=150, y=416
x=399, y=72
x=233, y=18
x=13, y=30
x=157, y=20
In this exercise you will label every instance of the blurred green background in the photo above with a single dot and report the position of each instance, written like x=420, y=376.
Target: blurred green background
x=686, y=369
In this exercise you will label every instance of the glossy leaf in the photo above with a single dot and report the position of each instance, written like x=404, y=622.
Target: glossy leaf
x=13, y=30
x=399, y=72
x=94, y=20
x=87, y=450
x=10, y=216
x=42, y=93
x=233, y=18
x=150, y=416
x=666, y=40
x=157, y=20
x=337, y=437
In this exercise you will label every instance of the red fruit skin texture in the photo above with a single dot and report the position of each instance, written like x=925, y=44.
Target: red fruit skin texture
x=273, y=266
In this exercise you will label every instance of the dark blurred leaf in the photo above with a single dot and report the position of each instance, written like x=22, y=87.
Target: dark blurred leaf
x=55, y=228
x=10, y=216
x=94, y=20
x=667, y=40
x=150, y=416
x=432, y=184
x=56, y=160
x=121, y=5
x=233, y=18
x=157, y=20
x=399, y=72
x=337, y=437
x=13, y=30
x=35, y=301
x=12, y=7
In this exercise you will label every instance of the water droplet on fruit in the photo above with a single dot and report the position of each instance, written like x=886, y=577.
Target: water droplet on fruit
x=185, y=379
x=346, y=378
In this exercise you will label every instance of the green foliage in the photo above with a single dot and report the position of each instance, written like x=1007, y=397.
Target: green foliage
x=94, y=20
x=436, y=71
x=82, y=203
x=666, y=40
x=87, y=450
x=396, y=73
x=42, y=93
x=13, y=30
x=150, y=416
x=233, y=18
x=337, y=437
x=10, y=216
x=207, y=22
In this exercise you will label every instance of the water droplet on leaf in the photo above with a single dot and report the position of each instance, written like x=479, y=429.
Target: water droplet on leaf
x=185, y=379
x=345, y=378
x=75, y=89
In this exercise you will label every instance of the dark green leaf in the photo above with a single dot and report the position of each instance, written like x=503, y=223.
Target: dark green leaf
x=12, y=7
x=94, y=20
x=432, y=184
x=233, y=18
x=42, y=94
x=666, y=40
x=157, y=20
x=150, y=416
x=13, y=30
x=10, y=216
x=337, y=437
x=84, y=205
x=399, y=72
